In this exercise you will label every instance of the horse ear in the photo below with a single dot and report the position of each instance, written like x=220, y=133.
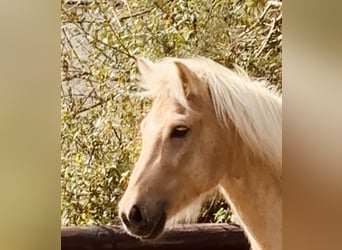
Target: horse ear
x=188, y=79
x=144, y=65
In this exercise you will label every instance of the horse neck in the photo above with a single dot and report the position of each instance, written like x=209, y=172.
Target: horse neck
x=254, y=192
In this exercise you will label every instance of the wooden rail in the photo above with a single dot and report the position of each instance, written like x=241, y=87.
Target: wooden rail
x=187, y=236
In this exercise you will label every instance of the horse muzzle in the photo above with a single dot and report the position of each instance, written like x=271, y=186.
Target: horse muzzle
x=139, y=223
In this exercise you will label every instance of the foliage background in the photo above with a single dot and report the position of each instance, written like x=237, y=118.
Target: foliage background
x=99, y=111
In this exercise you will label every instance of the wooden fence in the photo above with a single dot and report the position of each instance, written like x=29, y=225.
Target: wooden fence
x=187, y=236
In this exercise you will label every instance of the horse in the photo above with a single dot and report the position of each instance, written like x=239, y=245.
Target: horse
x=209, y=127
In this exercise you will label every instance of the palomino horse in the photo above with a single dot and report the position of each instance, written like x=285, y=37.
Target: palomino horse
x=208, y=127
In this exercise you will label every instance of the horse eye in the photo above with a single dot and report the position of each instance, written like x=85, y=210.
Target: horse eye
x=179, y=132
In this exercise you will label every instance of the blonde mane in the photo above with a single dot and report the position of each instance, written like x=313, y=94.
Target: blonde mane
x=254, y=107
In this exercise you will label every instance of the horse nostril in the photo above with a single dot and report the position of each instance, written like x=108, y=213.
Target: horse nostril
x=124, y=218
x=135, y=216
